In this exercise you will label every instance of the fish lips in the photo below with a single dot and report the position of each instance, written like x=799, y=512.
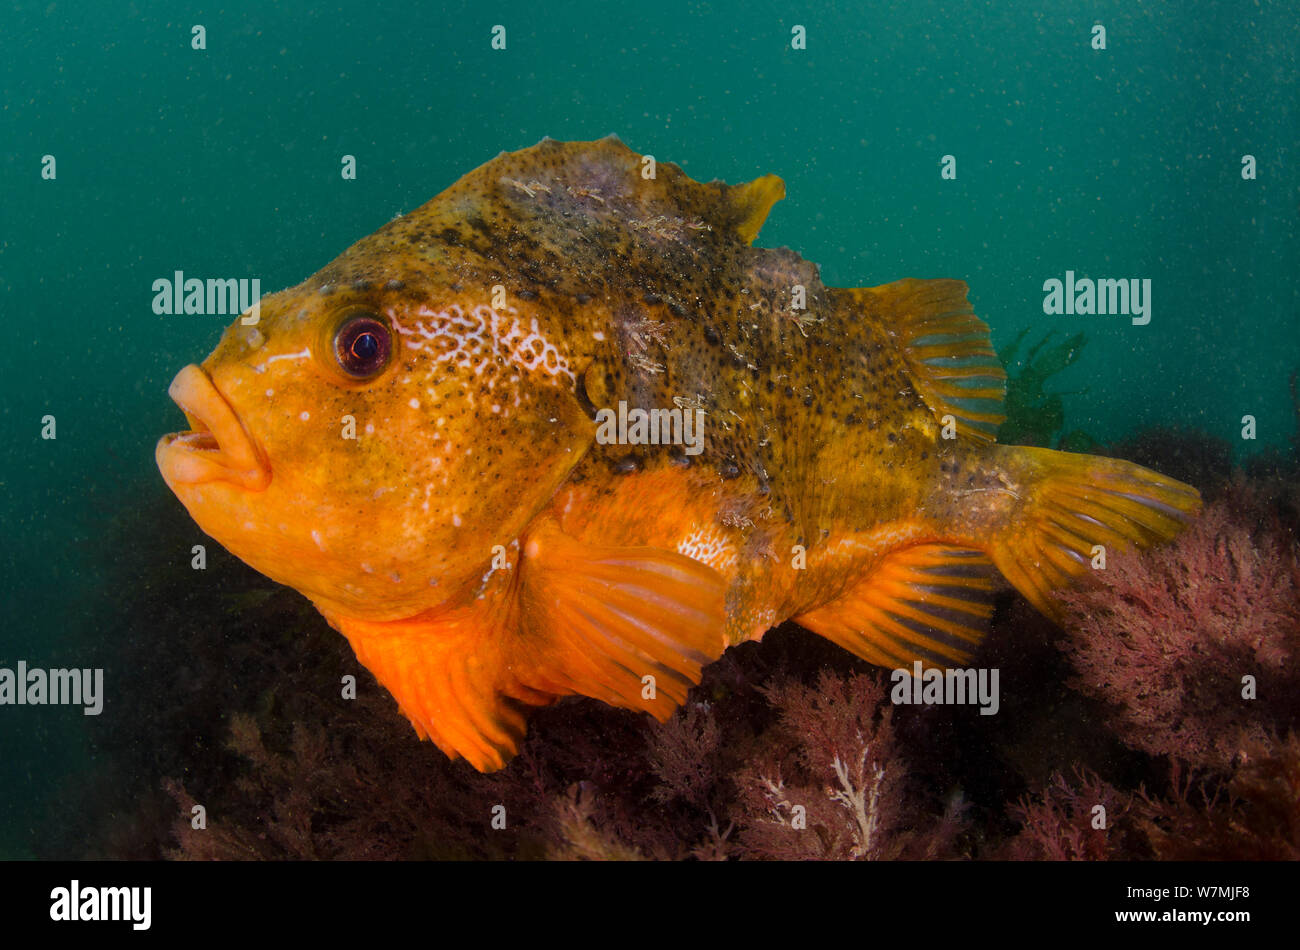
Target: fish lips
x=217, y=448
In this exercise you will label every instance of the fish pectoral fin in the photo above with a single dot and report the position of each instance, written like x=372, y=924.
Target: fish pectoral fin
x=947, y=348
x=451, y=678
x=631, y=626
x=928, y=602
x=1072, y=507
x=627, y=625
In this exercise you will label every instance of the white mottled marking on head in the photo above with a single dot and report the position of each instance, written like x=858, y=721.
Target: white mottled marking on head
x=481, y=339
x=305, y=354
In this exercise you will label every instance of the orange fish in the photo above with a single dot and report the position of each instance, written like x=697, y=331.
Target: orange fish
x=563, y=431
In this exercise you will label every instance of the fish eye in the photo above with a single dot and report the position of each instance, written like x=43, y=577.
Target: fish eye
x=363, y=346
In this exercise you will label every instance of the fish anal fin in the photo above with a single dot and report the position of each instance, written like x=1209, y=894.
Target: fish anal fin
x=929, y=602
x=947, y=348
x=601, y=619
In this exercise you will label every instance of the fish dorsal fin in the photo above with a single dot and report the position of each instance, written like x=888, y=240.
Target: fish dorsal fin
x=928, y=602
x=752, y=202
x=632, y=627
x=604, y=181
x=947, y=348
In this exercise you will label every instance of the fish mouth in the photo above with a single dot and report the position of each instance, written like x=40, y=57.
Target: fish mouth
x=216, y=447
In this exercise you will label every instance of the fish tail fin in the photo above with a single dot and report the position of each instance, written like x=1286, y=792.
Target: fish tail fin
x=1071, y=508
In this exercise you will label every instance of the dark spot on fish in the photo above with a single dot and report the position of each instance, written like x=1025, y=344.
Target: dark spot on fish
x=651, y=298
x=362, y=284
x=583, y=298
x=526, y=294
x=584, y=398
x=676, y=309
x=711, y=335
x=627, y=465
x=729, y=469
x=394, y=285
x=808, y=401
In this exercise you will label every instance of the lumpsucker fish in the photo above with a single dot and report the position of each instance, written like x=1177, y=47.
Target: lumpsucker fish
x=564, y=431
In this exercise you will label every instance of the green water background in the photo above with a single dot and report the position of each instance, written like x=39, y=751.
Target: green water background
x=225, y=163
